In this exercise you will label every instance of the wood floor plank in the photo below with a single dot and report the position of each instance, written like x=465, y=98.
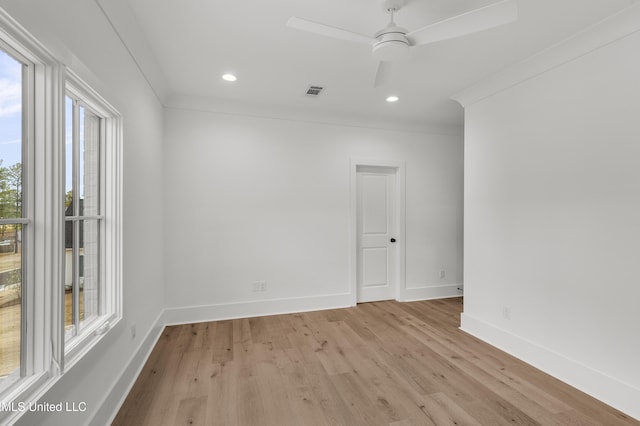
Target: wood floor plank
x=222, y=344
x=381, y=363
x=249, y=402
x=305, y=406
x=274, y=392
x=223, y=399
x=161, y=392
x=204, y=374
x=334, y=409
x=192, y=412
x=201, y=336
x=442, y=410
x=364, y=409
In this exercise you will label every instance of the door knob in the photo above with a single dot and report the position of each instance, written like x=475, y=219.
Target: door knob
x=393, y=240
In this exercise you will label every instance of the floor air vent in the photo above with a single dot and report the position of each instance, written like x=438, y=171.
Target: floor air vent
x=314, y=90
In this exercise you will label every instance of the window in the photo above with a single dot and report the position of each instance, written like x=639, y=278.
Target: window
x=91, y=283
x=82, y=216
x=12, y=218
x=60, y=232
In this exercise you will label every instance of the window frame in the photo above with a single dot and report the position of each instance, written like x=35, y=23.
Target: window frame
x=78, y=328
x=25, y=219
x=45, y=356
x=110, y=278
x=41, y=128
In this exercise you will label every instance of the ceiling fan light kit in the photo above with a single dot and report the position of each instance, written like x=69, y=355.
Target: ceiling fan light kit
x=393, y=42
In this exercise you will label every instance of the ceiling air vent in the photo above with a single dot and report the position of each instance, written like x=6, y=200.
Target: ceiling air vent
x=314, y=90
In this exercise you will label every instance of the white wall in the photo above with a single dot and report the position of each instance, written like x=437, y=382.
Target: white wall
x=552, y=208
x=78, y=33
x=251, y=199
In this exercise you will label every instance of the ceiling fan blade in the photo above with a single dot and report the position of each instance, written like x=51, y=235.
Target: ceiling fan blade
x=382, y=74
x=490, y=16
x=327, y=30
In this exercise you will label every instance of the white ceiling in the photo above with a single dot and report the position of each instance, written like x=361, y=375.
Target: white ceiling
x=195, y=41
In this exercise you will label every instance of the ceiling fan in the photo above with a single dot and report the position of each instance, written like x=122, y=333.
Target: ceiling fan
x=392, y=42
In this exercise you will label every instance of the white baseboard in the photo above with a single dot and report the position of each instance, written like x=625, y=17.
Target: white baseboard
x=609, y=390
x=193, y=314
x=120, y=390
x=428, y=293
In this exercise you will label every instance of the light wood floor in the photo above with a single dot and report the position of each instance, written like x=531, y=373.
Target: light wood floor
x=383, y=363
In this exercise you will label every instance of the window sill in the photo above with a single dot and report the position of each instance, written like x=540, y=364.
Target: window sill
x=22, y=393
x=79, y=346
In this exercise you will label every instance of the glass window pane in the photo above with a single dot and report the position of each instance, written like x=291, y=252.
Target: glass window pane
x=68, y=152
x=68, y=278
x=11, y=148
x=89, y=163
x=82, y=273
x=10, y=299
x=81, y=236
x=10, y=137
x=89, y=270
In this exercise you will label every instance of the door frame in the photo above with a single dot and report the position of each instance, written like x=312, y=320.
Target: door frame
x=400, y=195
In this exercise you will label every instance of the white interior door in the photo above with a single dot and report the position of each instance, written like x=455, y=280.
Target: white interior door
x=377, y=225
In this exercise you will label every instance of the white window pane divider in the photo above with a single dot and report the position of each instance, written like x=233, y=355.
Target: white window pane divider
x=18, y=220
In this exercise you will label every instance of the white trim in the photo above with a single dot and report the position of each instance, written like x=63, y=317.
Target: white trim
x=607, y=389
x=401, y=195
x=194, y=314
x=122, y=20
x=609, y=30
x=29, y=389
x=412, y=294
x=117, y=394
x=306, y=115
x=18, y=220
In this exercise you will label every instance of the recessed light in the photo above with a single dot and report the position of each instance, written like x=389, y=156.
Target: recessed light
x=229, y=77
x=393, y=99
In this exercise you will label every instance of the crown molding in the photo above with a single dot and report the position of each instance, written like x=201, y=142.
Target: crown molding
x=311, y=115
x=123, y=22
x=620, y=25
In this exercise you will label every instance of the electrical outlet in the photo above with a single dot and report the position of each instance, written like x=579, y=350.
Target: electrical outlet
x=133, y=331
x=506, y=313
x=259, y=286
x=442, y=273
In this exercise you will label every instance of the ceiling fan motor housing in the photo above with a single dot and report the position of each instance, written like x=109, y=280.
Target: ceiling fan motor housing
x=391, y=44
